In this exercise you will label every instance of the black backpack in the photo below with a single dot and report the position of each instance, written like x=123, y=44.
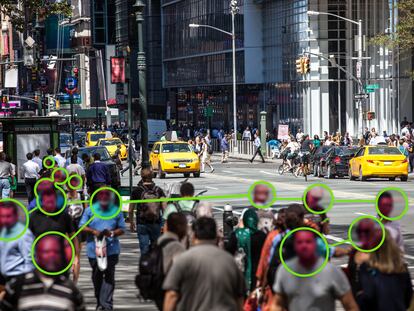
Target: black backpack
x=151, y=272
x=288, y=253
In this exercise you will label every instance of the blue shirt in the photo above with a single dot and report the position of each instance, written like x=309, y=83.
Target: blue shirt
x=112, y=244
x=98, y=172
x=15, y=256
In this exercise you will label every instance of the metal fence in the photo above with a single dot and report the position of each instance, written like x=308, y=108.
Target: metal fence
x=245, y=148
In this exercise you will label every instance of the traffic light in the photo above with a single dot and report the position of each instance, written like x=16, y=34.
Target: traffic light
x=299, y=66
x=370, y=115
x=75, y=72
x=57, y=104
x=306, y=65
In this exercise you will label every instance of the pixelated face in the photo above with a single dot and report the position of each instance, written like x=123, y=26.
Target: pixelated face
x=305, y=245
x=49, y=254
x=261, y=194
x=60, y=176
x=386, y=206
x=368, y=233
x=8, y=217
x=49, y=202
x=104, y=198
x=313, y=197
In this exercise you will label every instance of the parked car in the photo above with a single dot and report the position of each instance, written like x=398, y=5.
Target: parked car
x=318, y=159
x=336, y=161
x=378, y=162
x=107, y=160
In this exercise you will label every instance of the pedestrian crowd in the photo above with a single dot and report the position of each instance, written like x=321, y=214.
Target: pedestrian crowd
x=186, y=260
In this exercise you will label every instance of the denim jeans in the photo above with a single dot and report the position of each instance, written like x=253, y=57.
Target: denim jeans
x=5, y=188
x=148, y=234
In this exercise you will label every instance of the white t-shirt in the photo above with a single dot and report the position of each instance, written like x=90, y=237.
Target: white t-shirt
x=76, y=168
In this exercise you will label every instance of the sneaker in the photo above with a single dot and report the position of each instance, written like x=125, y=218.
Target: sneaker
x=212, y=171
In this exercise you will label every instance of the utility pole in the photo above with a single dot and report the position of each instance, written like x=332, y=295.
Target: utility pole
x=141, y=65
x=234, y=10
x=359, y=74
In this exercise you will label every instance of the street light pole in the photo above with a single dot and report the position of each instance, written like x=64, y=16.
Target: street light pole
x=359, y=58
x=234, y=10
x=141, y=65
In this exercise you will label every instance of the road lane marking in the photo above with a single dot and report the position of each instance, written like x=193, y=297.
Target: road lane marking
x=212, y=188
x=228, y=172
x=362, y=214
x=267, y=173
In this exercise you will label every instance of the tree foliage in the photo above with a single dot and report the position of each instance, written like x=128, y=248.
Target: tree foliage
x=403, y=37
x=26, y=12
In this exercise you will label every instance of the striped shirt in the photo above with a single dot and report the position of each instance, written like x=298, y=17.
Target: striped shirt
x=30, y=293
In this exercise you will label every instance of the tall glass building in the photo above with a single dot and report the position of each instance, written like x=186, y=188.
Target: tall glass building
x=271, y=35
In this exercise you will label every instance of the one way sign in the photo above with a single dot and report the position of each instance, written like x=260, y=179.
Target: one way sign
x=361, y=96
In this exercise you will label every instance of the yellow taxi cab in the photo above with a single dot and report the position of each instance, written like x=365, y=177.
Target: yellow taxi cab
x=93, y=137
x=111, y=145
x=378, y=162
x=174, y=157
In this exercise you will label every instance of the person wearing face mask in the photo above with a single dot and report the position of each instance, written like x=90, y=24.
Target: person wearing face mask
x=317, y=292
x=40, y=291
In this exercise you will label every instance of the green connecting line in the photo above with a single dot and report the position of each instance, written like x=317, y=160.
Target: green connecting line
x=340, y=243
x=288, y=199
x=207, y=197
x=36, y=208
x=83, y=227
x=354, y=201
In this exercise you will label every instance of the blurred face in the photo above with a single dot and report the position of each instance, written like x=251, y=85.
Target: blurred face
x=49, y=254
x=60, y=176
x=305, y=245
x=49, y=202
x=44, y=185
x=104, y=199
x=313, y=197
x=368, y=234
x=386, y=205
x=8, y=218
x=261, y=194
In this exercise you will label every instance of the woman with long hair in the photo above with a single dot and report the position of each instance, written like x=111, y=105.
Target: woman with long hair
x=381, y=281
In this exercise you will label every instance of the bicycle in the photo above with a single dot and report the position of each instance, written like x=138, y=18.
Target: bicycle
x=285, y=167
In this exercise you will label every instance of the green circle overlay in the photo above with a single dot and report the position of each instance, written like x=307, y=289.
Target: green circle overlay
x=326, y=187
x=304, y=275
x=404, y=195
x=26, y=224
x=39, y=181
x=266, y=183
x=65, y=171
x=51, y=158
x=33, y=253
x=80, y=186
x=96, y=214
x=354, y=244
x=65, y=202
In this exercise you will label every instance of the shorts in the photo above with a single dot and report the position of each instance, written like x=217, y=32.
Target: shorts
x=292, y=155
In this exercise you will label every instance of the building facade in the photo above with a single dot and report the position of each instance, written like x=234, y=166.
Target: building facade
x=271, y=35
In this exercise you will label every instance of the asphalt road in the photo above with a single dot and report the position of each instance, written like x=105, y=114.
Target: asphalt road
x=236, y=177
